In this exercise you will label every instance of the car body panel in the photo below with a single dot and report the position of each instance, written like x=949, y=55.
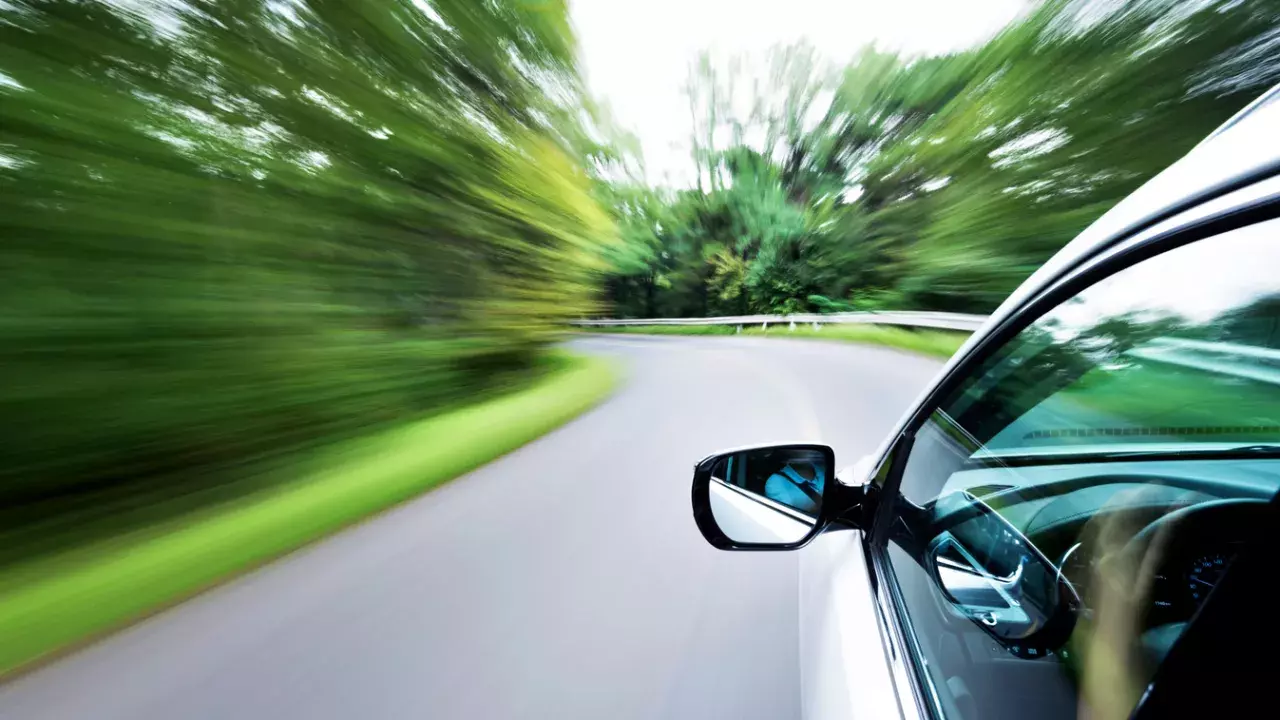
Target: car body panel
x=840, y=638
x=852, y=644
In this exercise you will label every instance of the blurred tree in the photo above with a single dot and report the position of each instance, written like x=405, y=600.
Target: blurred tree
x=942, y=182
x=235, y=226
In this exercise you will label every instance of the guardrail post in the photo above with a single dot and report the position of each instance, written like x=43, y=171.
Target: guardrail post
x=738, y=331
x=816, y=326
x=792, y=327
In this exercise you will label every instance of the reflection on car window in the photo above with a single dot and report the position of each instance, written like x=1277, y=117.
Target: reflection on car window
x=1043, y=492
x=1183, y=348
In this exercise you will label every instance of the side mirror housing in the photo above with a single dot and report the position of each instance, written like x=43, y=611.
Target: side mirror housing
x=771, y=497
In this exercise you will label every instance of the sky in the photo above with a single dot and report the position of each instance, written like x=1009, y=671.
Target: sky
x=635, y=53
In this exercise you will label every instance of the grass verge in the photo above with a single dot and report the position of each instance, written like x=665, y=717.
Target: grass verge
x=56, y=602
x=935, y=343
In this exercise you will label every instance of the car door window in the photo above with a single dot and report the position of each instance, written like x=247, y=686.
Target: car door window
x=1104, y=464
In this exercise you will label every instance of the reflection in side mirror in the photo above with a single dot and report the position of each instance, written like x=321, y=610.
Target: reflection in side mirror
x=996, y=577
x=767, y=497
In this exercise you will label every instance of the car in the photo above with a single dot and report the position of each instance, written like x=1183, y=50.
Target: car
x=1075, y=519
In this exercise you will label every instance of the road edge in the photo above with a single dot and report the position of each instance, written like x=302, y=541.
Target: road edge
x=57, y=615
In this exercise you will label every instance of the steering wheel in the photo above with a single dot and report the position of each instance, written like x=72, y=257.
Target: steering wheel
x=1183, y=533
x=1210, y=522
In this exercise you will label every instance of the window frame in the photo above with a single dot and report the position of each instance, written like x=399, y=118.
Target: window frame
x=1248, y=205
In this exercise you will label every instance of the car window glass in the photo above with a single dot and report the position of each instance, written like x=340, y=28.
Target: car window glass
x=1066, y=511
x=1184, y=347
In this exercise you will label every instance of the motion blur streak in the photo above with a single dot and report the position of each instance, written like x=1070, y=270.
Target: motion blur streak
x=563, y=581
x=236, y=228
x=235, y=234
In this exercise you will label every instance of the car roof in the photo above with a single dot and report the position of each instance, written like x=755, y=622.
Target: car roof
x=1243, y=149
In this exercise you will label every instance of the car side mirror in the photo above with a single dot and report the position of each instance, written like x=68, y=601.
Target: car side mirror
x=996, y=577
x=763, y=498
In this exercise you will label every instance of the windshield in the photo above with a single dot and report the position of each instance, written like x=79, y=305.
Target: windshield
x=1181, y=351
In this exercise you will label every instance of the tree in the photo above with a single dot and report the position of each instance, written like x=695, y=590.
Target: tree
x=942, y=182
x=234, y=228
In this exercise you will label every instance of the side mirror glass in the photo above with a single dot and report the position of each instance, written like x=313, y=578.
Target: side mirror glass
x=993, y=575
x=762, y=497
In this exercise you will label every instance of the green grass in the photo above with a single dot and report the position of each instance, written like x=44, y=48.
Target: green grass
x=936, y=343
x=57, y=601
x=1207, y=405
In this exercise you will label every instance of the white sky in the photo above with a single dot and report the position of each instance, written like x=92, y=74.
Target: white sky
x=636, y=53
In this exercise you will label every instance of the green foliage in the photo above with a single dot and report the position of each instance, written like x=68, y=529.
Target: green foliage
x=1181, y=400
x=943, y=182
x=236, y=227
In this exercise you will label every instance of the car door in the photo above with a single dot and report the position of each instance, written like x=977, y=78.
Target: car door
x=1061, y=506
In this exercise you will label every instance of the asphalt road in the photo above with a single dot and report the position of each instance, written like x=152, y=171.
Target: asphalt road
x=565, y=580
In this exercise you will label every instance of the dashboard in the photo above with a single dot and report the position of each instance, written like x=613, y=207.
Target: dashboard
x=1148, y=538
x=1162, y=533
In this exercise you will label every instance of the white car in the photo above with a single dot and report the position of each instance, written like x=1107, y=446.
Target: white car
x=1074, y=521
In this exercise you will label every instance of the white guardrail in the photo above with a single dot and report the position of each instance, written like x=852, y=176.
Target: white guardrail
x=937, y=320
x=1245, y=361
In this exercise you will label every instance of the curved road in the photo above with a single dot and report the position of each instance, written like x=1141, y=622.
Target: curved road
x=565, y=580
